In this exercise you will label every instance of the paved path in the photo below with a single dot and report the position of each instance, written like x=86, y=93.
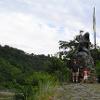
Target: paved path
x=78, y=92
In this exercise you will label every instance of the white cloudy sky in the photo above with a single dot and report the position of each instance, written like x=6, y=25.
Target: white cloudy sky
x=36, y=26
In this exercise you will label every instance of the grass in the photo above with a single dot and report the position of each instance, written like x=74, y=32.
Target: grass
x=46, y=87
x=42, y=87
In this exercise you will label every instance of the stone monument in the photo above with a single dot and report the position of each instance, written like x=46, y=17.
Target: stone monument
x=83, y=54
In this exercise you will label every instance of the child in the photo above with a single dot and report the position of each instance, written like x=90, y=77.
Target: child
x=85, y=74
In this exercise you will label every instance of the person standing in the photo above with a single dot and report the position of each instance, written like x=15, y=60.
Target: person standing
x=75, y=71
x=85, y=74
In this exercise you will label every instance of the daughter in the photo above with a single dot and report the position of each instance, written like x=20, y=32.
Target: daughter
x=85, y=74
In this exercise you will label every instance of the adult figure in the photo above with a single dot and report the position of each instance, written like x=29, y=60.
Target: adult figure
x=75, y=71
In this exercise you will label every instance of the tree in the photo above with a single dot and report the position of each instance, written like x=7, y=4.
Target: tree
x=69, y=47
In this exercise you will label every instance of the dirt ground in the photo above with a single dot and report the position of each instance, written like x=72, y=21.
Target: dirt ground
x=78, y=92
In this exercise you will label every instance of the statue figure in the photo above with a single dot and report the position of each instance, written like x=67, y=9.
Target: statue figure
x=83, y=54
x=83, y=51
x=84, y=42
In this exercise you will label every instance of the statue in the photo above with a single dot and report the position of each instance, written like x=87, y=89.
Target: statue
x=83, y=54
x=83, y=51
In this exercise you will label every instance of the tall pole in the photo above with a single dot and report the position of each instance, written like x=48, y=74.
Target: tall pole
x=94, y=27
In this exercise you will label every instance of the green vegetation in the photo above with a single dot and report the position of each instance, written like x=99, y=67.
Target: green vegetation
x=35, y=77
x=36, y=85
x=98, y=68
x=29, y=75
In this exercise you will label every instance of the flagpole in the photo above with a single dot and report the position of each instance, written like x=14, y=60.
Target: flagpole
x=94, y=27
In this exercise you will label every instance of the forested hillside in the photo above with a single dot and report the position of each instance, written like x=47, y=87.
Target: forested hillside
x=20, y=59
x=20, y=71
x=35, y=76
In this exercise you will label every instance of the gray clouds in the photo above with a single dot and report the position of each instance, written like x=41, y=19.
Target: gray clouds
x=37, y=25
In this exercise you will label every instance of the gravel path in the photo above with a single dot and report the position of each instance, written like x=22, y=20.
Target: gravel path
x=78, y=92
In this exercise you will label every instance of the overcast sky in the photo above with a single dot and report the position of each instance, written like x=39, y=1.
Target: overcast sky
x=36, y=26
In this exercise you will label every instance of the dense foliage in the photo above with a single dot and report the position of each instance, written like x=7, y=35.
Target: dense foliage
x=27, y=74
